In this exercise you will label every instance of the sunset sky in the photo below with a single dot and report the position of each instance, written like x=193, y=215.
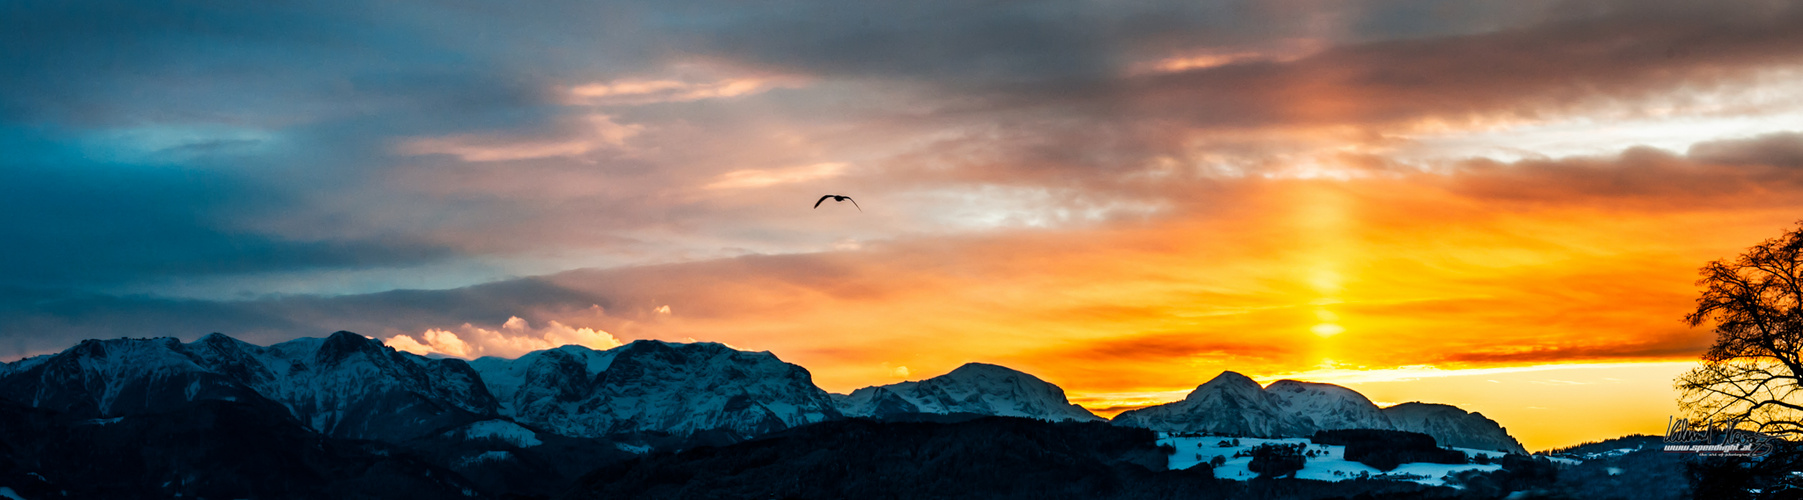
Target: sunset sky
x=1496, y=204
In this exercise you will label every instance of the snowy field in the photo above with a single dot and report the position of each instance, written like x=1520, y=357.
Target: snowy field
x=1330, y=467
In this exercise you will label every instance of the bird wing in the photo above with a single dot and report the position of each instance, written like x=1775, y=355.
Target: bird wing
x=854, y=203
x=823, y=200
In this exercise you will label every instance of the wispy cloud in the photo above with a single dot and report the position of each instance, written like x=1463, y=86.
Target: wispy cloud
x=1279, y=51
x=1339, y=375
x=589, y=134
x=632, y=91
x=752, y=178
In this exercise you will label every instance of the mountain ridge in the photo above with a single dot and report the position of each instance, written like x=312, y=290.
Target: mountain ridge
x=348, y=385
x=1460, y=428
x=1229, y=403
x=649, y=385
x=977, y=388
x=1234, y=404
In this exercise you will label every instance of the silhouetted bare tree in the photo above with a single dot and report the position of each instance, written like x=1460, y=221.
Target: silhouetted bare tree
x=1752, y=372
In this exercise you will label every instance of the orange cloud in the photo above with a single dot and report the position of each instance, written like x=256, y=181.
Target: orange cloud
x=514, y=338
x=632, y=91
x=752, y=178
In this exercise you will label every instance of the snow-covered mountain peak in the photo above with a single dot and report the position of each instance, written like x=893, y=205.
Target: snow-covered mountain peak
x=354, y=386
x=650, y=385
x=241, y=361
x=978, y=388
x=294, y=349
x=117, y=353
x=995, y=375
x=1295, y=393
x=1453, y=426
x=694, y=350
x=217, y=338
x=594, y=362
x=104, y=378
x=565, y=373
x=342, y=345
x=221, y=345
x=123, y=357
x=23, y=364
x=345, y=385
x=1327, y=406
x=1230, y=403
x=1229, y=381
x=981, y=369
x=1234, y=404
x=1298, y=386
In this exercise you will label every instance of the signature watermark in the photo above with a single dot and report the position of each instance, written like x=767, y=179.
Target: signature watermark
x=1723, y=439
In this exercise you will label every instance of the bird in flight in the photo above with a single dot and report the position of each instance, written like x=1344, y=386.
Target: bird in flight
x=838, y=198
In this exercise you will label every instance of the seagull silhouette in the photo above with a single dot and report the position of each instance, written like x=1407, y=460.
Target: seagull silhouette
x=837, y=198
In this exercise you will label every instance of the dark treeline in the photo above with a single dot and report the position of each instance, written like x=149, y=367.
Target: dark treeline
x=1386, y=449
x=222, y=449
x=209, y=449
x=997, y=457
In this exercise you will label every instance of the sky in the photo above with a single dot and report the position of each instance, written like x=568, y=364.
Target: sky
x=1496, y=204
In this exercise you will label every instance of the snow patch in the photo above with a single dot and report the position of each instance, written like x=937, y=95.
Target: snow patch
x=1329, y=465
x=23, y=364
x=502, y=430
x=1473, y=452
x=484, y=457
x=637, y=449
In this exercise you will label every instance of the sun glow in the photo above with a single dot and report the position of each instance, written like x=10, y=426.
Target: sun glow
x=1327, y=329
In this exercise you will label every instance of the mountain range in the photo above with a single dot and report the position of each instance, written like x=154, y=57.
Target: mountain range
x=1235, y=405
x=345, y=385
x=540, y=419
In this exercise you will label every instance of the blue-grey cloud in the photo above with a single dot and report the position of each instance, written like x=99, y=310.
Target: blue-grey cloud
x=37, y=320
x=76, y=221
